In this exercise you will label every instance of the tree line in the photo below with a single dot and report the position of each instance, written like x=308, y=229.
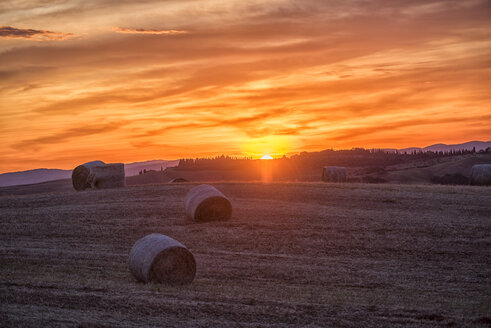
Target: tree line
x=314, y=160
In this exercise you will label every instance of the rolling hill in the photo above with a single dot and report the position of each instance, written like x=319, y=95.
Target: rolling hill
x=478, y=145
x=133, y=170
x=44, y=175
x=33, y=176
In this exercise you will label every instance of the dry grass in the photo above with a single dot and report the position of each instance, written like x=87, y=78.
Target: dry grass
x=422, y=171
x=293, y=254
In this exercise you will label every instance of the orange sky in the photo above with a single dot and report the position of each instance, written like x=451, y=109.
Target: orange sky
x=117, y=81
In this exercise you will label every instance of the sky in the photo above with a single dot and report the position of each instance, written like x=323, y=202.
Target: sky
x=125, y=81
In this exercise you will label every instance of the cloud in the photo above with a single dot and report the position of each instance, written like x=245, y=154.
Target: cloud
x=66, y=135
x=148, y=31
x=381, y=129
x=327, y=73
x=241, y=122
x=9, y=32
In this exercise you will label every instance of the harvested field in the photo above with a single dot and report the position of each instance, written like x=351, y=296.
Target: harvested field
x=293, y=254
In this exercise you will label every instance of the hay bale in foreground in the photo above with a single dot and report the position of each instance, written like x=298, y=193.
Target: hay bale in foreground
x=333, y=174
x=161, y=259
x=481, y=175
x=206, y=203
x=178, y=180
x=81, y=174
x=107, y=176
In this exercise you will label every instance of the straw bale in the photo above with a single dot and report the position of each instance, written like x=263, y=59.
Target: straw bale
x=107, y=176
x=81, y=174
x=333, y=174
x=481, y=175
x=178, y=180
x=206, y=203
x=161, y=259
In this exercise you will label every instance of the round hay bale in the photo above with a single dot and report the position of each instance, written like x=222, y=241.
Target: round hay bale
x=481, y=175
x=81, y=174
x=333, y=174
x=107, y=176
x=205, y=203
x=161, y=259
x=178, y=180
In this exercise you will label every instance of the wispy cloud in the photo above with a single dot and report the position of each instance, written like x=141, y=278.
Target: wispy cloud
x=418, y=123
x=68, y=134
x=148, y=31
x=324, y=73
x=9, y=32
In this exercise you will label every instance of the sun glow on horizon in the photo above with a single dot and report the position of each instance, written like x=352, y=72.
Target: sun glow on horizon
x=272, y=145
x=267, y=157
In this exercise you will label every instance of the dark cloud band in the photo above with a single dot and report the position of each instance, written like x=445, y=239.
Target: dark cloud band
x=147, y=31
x=9, y=32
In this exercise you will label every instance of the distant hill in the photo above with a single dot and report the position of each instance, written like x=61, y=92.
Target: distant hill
x=479, y=145
x=135, y=168
x=43, y=175
x=214, y=171
x=33, y=176
x=446, y=170
x=155, y=177
x=454, y=171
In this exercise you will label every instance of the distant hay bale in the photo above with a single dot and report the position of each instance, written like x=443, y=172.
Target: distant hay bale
x=178, y=180
x=481, y=175
x=81, y=174
x=205, y=203
x=333, y=174
x=97, y=174
x=107, y=176
x=161, y=259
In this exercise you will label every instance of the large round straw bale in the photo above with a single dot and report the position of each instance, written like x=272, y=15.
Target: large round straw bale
x=334, y=174
x=161, y=259
x=107, y=176
x=81, y=174
x=205, y=203
x=481, y=175
x=178, y=180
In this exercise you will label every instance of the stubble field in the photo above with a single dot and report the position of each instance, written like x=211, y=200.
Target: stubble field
x=293, y=254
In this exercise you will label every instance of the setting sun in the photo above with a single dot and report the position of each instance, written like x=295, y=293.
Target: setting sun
x=267, y=157
x=270, y=145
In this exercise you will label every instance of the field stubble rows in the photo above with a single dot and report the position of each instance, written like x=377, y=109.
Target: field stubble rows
x=293, y=254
